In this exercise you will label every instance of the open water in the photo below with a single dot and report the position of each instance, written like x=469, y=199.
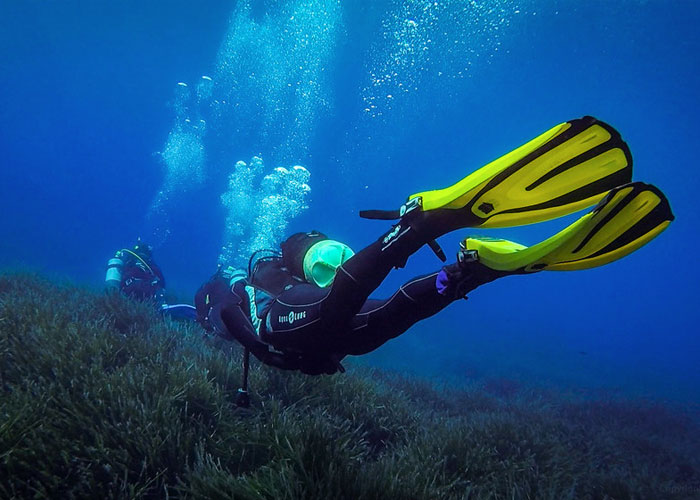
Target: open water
x=125, y=119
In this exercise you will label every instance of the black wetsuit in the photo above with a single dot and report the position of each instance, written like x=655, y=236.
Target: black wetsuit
x=312, y=328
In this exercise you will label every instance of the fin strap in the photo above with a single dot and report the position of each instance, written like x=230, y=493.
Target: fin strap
x=415, y=203
x=435, y=247
x=380, y=214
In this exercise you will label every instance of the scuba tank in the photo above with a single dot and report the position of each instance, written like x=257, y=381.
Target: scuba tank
x=113, y=277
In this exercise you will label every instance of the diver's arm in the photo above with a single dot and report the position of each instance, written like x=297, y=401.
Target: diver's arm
x=281, y=361
x=238, y=326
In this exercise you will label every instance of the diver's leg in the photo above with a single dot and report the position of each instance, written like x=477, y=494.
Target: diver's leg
x=310, y=311
x=304, y=315
x=360, y=275
x=381, y=320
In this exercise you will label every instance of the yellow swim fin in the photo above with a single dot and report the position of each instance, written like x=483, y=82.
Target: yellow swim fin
x=626, y=219
x=566, y=169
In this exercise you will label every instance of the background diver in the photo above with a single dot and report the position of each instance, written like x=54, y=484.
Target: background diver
x=307, y=307
x=134, y=273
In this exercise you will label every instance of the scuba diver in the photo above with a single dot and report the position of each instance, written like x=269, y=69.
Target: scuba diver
x=308, y=306
x=134, y=273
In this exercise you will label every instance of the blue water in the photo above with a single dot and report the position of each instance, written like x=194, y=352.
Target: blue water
x=377, y=102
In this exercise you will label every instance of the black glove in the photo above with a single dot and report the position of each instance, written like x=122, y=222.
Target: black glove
x=320, y=364
x=282, y=361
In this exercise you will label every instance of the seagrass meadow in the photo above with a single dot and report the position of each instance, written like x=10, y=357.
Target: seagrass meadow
x=102, y=398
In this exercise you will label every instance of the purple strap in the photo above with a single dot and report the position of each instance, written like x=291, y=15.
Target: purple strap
x=442, y=280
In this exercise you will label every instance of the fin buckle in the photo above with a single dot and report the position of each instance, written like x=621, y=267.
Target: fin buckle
x=411, y=205
x=465, y=256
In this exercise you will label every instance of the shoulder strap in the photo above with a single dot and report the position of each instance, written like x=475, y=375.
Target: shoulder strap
x=138, y=257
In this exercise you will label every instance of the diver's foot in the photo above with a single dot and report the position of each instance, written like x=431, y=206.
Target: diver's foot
x=458, y=279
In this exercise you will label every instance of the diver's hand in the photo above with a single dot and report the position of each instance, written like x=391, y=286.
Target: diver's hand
x=279, y=360
x=307, y=364
x=318, y=365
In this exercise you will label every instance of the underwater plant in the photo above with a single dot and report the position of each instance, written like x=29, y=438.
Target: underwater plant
x=104, y=398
